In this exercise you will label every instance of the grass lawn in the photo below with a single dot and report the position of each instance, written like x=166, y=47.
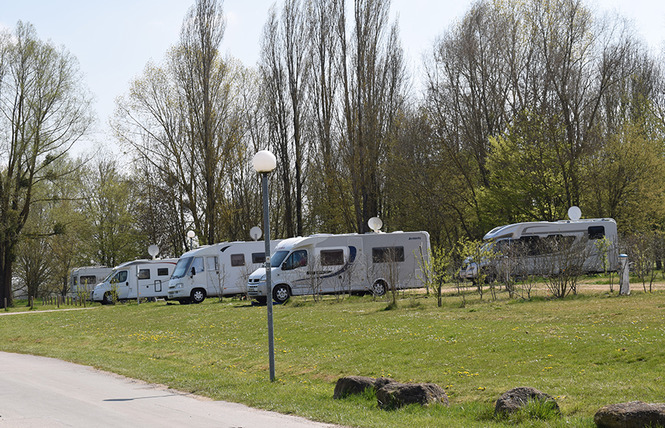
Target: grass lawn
x=587, y=351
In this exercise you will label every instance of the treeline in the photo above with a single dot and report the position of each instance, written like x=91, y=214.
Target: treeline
x=527, y=109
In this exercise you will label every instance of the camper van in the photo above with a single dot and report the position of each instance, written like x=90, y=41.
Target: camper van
x=216, y=270
x=82, y=280
x=541, y=243
x=135, y=280
x=347, y=263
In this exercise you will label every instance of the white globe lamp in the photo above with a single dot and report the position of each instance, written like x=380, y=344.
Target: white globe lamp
x=264, y=161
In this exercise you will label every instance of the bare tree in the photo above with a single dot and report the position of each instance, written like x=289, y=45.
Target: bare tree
x=561, y=258
x=372, y=77
x=643, y=254
x=285, y=66
x=187, y=119
x=549, y=60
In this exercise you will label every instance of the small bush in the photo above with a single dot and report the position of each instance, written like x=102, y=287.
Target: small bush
x=533, y=409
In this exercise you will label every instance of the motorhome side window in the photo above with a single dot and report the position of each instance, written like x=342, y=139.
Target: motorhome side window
x=596, y=232
x=332, y=257
x=144, y=274
x=237, y=260
x=531, y=245
x=162, y=271
x=258, y=258
x=212, y=264
x=551, y=244
x=120, y=276
x=295, y=260
x=387, y=254
x=88, y=279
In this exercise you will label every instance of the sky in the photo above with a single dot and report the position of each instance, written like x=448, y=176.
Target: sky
x=114, y=40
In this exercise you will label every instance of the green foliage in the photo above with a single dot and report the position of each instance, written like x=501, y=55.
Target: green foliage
x=436, y=269
x=528, y=171
x=542, y=410
x=627, y=178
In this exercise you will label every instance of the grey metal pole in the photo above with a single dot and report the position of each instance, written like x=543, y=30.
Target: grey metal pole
x=266, y=227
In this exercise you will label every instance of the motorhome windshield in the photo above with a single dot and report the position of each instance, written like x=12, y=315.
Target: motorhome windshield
x=182, y=267
x=278, y=258
x=108, y=278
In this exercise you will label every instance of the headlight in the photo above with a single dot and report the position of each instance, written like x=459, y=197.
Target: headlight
x=178, y=285
x=263, y=278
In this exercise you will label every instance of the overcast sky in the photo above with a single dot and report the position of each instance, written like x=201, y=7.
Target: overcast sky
x=113, y=40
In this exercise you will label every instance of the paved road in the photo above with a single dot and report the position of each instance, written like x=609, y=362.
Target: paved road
x=44, y=392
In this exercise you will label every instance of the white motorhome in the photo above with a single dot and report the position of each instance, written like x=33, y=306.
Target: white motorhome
x=536, y=239
x=347, y=263
x=135, y=280
x=82, y=280
x=214, y=270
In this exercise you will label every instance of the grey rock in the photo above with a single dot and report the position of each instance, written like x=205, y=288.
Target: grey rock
x=358, y=384
x=635, y=414
x=513, y=400
x=395, y=394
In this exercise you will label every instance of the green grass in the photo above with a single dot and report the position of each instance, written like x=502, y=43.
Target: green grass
x=586, y=351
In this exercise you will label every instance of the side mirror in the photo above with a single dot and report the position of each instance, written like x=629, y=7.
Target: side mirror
x=193, y=271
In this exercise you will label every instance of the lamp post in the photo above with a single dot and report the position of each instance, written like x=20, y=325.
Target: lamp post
x=264, y=162
x=191, y=234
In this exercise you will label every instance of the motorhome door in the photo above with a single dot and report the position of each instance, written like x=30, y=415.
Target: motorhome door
x=295, y=271
x=120, y=282
x=212, y=275
x=333, y=269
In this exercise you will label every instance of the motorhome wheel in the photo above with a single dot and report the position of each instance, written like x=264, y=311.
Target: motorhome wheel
x=108, y=298
x=281, y=293
x=198, y=295
x=379, y=288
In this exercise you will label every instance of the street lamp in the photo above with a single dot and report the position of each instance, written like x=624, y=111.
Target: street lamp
x=191, y=234
x=264, y=162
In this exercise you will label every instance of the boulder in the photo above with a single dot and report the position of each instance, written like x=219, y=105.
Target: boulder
x=358, y=384
x=513, y=400
x=395, y=394
x=635, y=414
x=352, y=385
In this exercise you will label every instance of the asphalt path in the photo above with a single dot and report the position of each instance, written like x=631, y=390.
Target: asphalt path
x=44, y=392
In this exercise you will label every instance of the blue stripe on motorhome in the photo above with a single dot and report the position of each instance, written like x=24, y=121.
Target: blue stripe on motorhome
x=352, y=257
x=347, y=265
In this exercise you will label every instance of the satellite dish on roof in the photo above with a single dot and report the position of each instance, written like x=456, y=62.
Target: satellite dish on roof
x=255, y=233
x=574, y=213
x=375, y=224
x=153, y=250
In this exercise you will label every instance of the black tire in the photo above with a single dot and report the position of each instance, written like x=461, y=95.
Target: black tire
x=379, y=288
x=108, y=299
x=281, y=293
x=198, y=295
